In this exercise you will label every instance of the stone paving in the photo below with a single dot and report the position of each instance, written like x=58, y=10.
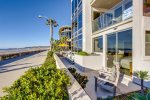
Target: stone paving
x=124, y=86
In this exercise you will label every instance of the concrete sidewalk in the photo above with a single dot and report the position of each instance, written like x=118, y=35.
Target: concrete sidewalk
x=12, y=71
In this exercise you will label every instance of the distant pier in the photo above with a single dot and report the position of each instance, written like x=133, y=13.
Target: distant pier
x=7, y=54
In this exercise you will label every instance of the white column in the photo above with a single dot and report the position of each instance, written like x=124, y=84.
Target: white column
x=104, y=51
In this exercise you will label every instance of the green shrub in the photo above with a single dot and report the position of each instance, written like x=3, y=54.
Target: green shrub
x=139, y=96
x=82, y=80
x=40, y=83
x=83, y=53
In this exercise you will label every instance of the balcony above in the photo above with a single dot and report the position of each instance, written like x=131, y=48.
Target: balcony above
x=119, y=13
x=104, y=3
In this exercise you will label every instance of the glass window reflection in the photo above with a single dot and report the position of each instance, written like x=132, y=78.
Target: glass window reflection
x=98, y=44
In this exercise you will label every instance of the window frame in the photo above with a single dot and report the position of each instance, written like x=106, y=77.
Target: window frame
x=99, y=37
x=145, y=42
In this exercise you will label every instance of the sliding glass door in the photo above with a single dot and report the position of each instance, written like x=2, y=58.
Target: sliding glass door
x=119, y=49
x=111, y=50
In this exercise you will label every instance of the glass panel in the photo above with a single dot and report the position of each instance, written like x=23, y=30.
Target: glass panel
x=111, y=50
x=80, y=37
x=80, y=21
x=98, y=44
x=74, y=25
x=79, y=1
x=128, y=5
x=119, y=48
x=147, y=44
x=118, y=15
x=80, y=44
x=109, y=18
x=95, y=25
x=147, y=36
x=80, y=32
x=101, y=25
x=69, y=35
x=73, y=7
x=118, y=12
x=124, y=55
x=76, y=3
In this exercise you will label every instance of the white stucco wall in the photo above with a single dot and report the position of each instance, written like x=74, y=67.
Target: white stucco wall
x=89, y=62
x=87, y=26
x=140, y=25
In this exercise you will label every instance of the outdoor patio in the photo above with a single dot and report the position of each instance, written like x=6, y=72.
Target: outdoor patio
x=124, y=86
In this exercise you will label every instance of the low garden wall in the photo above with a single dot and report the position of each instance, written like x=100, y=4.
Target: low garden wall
x=138, y=81
x=75, y=91
x=86, y=63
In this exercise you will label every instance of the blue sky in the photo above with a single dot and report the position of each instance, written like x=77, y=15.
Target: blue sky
x=20, y=25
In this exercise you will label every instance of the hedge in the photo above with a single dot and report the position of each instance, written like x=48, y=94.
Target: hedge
x=82, y=53
x=40, y=83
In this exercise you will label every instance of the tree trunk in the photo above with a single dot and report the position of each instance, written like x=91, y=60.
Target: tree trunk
x=142, y=89
x=51, y=36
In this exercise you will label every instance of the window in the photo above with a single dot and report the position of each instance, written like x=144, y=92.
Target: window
x=80, y=37
x=148, y=1
x=77, y=25
x=98, y=44
x=73, y=7
x=79, y=1
x=76, y=3
x=128, y=5
x=146, y=7
x=119, y=48
x=147, y=43
x=80, y=44
x=118, y=15
x=108, y=19
x=74, y=25
x=118, y=12
x=69, y=35
x=80, y=20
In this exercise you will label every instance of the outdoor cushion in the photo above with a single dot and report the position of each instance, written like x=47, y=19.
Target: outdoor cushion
x=107, y=86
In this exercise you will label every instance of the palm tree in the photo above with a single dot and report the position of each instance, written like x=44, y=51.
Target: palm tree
x=143, y=75
x=51, y=23
x=64, y=40
x=55, y=45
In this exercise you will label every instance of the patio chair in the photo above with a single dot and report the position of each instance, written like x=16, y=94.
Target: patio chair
x=108, y=81
x=107, y=71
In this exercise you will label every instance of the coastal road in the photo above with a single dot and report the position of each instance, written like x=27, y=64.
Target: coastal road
x=12, y=70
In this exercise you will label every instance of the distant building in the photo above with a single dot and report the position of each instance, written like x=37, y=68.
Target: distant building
x=65, y=31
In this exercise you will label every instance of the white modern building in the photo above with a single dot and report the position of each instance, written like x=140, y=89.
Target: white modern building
x=65, y=31
x=81, y=25
x=117, y=30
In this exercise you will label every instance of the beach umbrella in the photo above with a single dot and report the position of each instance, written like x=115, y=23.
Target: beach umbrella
x=63, y=45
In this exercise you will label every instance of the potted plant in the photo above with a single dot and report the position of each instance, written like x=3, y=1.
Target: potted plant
x=142, y=75
x=139, y=96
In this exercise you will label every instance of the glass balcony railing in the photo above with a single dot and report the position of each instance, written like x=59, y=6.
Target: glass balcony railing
x=120, y=13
